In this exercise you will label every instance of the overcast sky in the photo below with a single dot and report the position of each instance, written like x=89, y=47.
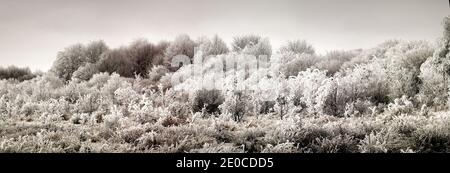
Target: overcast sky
x=32, y=31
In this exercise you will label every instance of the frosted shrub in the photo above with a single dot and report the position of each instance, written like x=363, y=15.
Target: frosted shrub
x=115, y=82
x=59, y=106
x=338, y=144
x=179, y=109
x=144, y=111
x=112, y=120
x=166, y=82
x=314, y=88
x=45, y=87
x=131, y=134
x=374, y=143
x=88, y=103
x=359, y=108
x=401, y=106
x=126, y=95
x=157, y=72
x=434, y=136
x=147, y=140
x=4, y=105
x=384, y=141
x=407, y=124
x=29, y=108
x=237, y=104
x=74, y=91
x=98, y=80
x=207, y=100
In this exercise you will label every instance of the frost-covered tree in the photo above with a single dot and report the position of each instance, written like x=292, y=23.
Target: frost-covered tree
x=68, y=61
x=93, y=50
x=145, y=55
x=262, y=48
x=117, y=60
x=182, y=45
x=73, y=57
x=215, y=46
x=298, y=47
x=241, y=42
x=252, y=45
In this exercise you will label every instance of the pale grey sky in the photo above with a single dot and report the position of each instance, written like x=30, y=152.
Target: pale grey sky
x=32, y=31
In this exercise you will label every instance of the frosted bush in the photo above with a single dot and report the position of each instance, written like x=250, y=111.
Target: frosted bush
x=401, y=106
x=338, y=144
x=144, y=111
x=88, y=103
x=407, y=124
x=237, y=104
x=126, y=95
x=59, y=106
x=359, y=108
x=314, y=87
x=207, y=100
x=374, y=143
x=434, y=136
x=132, y=134
x=29, y=108
x=112, y=120
x=98, y=80
x=115, y=82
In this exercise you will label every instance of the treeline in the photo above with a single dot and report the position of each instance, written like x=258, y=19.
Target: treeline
x=139, y=57
x=17, y=73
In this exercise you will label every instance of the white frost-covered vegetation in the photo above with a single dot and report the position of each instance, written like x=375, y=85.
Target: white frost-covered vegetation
x=391, y=98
